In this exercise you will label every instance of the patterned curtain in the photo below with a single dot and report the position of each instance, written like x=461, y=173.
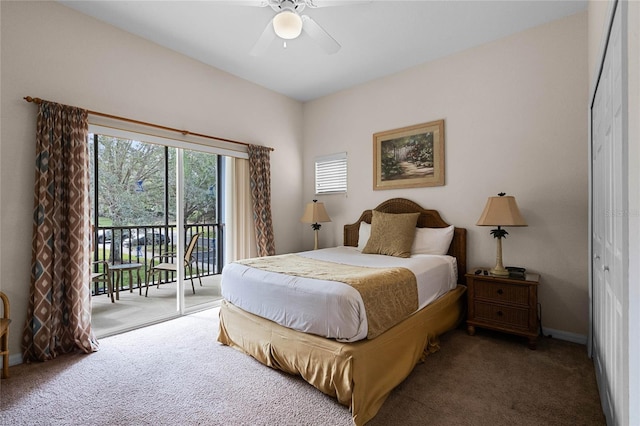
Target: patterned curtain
x=59, y=312
x=260, y=182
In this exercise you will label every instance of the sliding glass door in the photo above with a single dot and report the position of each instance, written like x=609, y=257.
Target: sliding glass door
x=202, y=212
x=150, y=200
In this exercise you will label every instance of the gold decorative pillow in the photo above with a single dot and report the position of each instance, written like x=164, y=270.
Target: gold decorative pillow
x=392, y=233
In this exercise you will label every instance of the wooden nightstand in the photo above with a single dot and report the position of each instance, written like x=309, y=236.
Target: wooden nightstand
x=504, y=304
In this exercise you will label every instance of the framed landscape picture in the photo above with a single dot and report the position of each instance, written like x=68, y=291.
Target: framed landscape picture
x=410, y=157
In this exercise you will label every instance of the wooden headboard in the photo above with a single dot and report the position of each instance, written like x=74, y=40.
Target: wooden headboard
x=427, y=219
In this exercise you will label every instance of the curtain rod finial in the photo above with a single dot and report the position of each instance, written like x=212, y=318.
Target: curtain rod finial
x=34, y=100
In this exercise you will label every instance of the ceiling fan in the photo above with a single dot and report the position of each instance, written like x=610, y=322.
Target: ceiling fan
x=288, y=24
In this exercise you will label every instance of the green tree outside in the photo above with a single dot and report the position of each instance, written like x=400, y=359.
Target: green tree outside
x=131, y=186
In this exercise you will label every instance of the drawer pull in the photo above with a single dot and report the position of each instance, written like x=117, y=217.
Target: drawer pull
x=499, y=313
x=500, y=291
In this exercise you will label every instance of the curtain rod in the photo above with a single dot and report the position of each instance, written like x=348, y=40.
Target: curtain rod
x=171, y=129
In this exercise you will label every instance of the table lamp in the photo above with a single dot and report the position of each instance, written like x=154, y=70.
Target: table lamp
x=501, y=211
x=314, y=214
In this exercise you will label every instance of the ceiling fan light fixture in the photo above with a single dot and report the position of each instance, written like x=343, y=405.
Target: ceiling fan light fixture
x=287, y=25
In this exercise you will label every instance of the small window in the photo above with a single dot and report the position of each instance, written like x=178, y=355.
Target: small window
x=331, y=174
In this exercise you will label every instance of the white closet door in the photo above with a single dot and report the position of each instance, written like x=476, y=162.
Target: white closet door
x=609, y=230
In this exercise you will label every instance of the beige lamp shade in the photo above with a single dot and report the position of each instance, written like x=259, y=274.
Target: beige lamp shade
x=501, y=211
x=315, y=213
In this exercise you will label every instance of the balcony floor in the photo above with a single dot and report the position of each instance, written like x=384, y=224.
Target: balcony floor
x=135, y=311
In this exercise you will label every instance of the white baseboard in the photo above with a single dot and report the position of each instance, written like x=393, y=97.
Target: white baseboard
x=565, y=335
x=15, y=359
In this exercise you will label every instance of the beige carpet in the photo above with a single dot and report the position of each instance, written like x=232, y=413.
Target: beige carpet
x=494, y=379
x=175, y=373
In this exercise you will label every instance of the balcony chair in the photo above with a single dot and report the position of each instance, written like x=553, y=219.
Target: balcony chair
x=169, y=265
x=4, y=335
x=104, y=276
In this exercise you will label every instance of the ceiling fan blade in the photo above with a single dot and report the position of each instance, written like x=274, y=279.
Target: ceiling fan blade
x=258, y=3
x=263, y=43
x=317, y=33
x=327, y=3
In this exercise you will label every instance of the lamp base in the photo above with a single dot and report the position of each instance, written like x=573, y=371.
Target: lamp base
x=499, y=272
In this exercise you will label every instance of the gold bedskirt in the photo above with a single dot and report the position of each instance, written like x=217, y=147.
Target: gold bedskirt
x=361, y=374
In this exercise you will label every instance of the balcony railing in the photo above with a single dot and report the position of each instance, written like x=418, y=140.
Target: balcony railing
x=139, y=244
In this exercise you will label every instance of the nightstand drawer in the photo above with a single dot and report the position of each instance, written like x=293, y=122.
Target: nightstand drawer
x=506, y=304
x=502, y=292
x=511, y=316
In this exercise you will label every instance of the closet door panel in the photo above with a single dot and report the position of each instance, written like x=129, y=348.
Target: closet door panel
x=609, y=229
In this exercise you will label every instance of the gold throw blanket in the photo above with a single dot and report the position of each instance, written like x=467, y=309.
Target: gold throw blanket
x=389, y=294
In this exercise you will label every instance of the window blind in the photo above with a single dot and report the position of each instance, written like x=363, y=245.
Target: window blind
x=331, y=174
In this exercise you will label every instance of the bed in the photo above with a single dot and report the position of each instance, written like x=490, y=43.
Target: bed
x=361, y=373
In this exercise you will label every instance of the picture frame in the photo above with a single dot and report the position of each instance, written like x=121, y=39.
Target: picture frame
x=409, y=157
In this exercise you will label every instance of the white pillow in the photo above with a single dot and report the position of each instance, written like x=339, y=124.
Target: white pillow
x=363, y=235
x=432, y=240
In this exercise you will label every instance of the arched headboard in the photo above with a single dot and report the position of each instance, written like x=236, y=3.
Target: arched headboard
x=427, y=219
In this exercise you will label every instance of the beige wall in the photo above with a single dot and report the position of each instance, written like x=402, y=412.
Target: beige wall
x=55, y=53
x=514, y=111
x=515, y=121
x=598, y=20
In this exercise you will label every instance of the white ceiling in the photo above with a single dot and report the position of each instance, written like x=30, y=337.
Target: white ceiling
x=378, y=38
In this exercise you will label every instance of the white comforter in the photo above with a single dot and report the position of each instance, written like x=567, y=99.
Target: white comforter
x=328, y=308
